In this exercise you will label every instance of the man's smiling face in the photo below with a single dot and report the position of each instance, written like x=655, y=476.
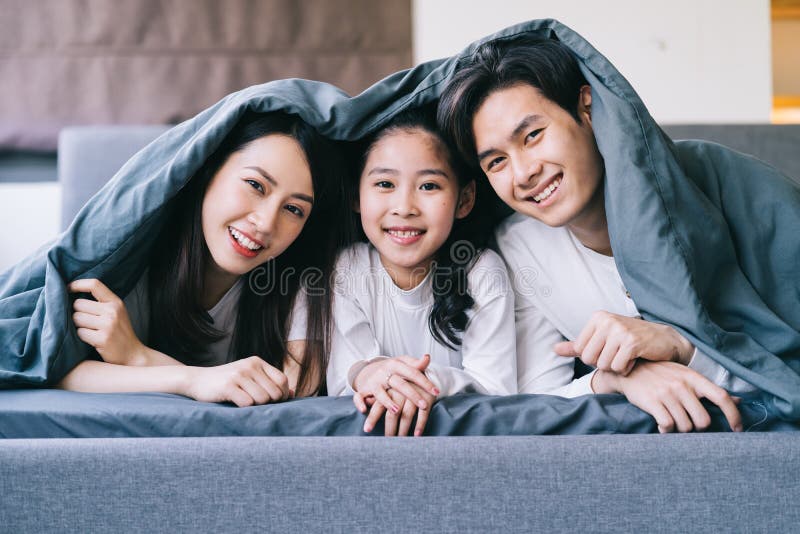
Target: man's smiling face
x=537, y=157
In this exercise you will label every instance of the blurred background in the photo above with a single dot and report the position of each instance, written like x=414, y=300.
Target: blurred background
x=82, y=62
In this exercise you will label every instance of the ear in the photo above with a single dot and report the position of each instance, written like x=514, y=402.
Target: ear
x=357, y=205
x=585, y=104
x=466, y=200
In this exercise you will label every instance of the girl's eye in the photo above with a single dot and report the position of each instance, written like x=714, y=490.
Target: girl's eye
x=429, y=186
x=533, y=134
x=294, y=210
x=255, y=184
x=384, y=184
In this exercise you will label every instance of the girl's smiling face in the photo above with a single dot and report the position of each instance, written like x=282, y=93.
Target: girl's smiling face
x=408, y=200
x=256, y=204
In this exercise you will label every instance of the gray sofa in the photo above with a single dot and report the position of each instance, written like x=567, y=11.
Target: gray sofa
x=702, y=482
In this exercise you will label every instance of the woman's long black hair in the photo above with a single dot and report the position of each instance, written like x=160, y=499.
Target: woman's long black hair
x=179, y=325
x=468, y=238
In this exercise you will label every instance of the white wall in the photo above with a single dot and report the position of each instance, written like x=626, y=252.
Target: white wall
x=30, y=215
x=691, y=61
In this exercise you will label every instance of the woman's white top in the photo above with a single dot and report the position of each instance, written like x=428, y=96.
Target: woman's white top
x=373, y=317
x=559, y=283
x=222, y=316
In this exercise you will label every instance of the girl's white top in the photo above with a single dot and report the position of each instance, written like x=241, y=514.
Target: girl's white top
x=373, y=317
x=559, y=283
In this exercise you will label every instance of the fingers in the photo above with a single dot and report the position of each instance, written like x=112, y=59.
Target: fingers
x=375, y=414
x=382, y=397
x=88, y=306
x=413, y=375
x=256, y=392
x=583, y=338
x=694, y=408
x=593, y=348
x=273, y=391
x=566, y=349
x=721, y=398
x=422, y=420
x=95, y=287
x=678, y=413
x=240, y=397
x=90, y=336
x=276, y=376
x=406, y=417
x=358, y=400
x=608, y=356
x=87, y=320
x=407, y=390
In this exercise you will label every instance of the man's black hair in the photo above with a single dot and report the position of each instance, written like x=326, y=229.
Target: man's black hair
x=544, y=64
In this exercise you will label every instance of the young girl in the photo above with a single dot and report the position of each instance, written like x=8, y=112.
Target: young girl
x=211, y=316
x=420, y=311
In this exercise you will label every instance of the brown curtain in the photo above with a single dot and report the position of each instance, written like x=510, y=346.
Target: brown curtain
x=68, y=62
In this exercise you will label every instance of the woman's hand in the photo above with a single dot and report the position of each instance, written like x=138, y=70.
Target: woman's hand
x=398, y=374
x=104, y=324
x=245, y=382
x=613, y=342
x=671, y=393
x=399, y=424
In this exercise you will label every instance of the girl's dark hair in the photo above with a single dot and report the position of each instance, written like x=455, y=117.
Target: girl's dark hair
x=179, y=325
x=544, y=64
x=468, y=238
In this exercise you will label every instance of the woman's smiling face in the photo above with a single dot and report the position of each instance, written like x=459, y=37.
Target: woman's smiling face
x=537, y=157
x=256, y=204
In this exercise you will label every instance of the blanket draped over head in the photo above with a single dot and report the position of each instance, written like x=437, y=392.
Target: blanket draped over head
x=706, y=239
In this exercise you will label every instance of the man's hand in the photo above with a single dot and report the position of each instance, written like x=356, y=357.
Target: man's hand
x=613, y=342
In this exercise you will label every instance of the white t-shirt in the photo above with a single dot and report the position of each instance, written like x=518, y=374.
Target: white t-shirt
x=559, y=283
x=223, y=317
x=373, y=317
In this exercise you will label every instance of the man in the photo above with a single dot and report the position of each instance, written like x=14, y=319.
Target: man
x=522, y=109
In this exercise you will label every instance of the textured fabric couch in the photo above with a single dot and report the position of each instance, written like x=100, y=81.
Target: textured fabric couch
x=226, y=481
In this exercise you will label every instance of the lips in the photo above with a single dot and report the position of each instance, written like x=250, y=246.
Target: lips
x=243, y=243
x=404, y=235
x=545, y=190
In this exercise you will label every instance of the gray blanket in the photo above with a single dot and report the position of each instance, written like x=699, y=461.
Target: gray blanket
x=65, y=414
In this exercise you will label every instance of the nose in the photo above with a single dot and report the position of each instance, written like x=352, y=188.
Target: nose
x=525, y=169
x=405, y=203
x=264, y=218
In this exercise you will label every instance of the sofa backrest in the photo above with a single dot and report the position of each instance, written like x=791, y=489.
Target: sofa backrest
x=777, y=144
x=88, y=156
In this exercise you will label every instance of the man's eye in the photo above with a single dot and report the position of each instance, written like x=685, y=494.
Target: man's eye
x=533, y=134
x=493, y=163
x=255, y=184
x=429, y=186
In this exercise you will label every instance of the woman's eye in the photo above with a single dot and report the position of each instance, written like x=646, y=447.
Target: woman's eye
x=255, y=184
x=429, y=186
x=384, y=184
x=295, y=210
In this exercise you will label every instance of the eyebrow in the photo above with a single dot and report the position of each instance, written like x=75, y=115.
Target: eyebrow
x=521, y=126
x=395, y=172
x=274, y=183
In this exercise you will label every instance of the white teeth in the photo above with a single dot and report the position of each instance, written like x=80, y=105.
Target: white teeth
x=244, y=241
x=407, y=233
x=548, y=191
